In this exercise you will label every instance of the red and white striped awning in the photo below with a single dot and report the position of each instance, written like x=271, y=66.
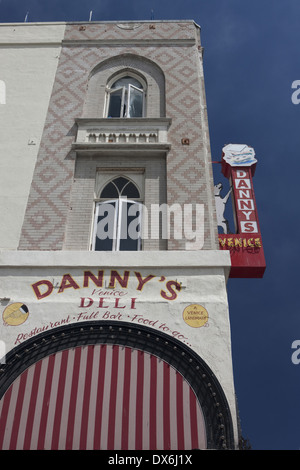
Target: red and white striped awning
x=101, y=397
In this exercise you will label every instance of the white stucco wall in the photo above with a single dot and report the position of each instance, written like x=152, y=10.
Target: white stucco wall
x=24, y=276
x=29, y=55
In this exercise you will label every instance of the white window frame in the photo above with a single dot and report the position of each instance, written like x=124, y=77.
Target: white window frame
x=117, y=221
x=140, y=90
x=110, y=90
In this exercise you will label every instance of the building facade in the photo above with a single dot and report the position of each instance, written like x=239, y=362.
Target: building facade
x=115, y=324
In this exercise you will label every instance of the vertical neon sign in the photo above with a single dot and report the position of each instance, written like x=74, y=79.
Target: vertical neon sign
x=246, y=250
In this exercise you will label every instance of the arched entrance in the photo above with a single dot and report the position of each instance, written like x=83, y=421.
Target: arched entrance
x=110, y=386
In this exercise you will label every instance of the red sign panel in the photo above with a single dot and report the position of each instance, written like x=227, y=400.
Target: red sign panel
x=246, y=249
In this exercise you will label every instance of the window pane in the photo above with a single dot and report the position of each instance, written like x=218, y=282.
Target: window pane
x=126, y=81
x=120, y=182
x=105, y=232
x=135, y=103
x=130, y=228
x=115, y=103
x=110, y=191
x=131, y=191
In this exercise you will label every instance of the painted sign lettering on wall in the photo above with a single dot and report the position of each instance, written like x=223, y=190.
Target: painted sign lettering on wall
x=246, y=249
x=152, y=299
x=44, y=287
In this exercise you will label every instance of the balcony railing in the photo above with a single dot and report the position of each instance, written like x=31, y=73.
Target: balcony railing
x=117, y=133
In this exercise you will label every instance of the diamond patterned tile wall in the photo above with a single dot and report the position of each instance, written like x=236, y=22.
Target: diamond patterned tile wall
x=174, y=47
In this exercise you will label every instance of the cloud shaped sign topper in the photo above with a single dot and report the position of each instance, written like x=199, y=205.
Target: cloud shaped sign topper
x=239, y=155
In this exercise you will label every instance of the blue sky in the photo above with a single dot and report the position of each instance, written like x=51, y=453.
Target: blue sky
x=251, y=60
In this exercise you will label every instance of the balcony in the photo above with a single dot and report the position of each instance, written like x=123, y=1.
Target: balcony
x=117, y=134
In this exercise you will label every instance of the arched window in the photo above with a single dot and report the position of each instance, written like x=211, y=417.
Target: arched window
x=118, y=215
x=125, y=98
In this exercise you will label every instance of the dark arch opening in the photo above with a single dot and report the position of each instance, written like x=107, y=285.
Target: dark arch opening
x=120, y=186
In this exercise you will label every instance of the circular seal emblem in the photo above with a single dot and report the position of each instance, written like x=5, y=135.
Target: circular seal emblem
x=15, y=314
x=195, y=315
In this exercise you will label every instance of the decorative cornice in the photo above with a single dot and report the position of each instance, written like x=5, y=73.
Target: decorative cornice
x=128, y=42
x=126, y=121
x=120, y=147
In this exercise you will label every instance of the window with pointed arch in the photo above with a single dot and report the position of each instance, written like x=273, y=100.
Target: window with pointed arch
x=118, y=217
x=126, y=97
